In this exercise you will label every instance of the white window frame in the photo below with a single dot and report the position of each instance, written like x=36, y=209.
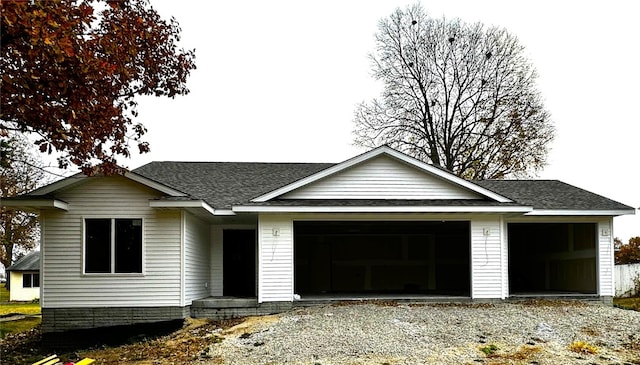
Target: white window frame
x=31, y=280
x=112, y=247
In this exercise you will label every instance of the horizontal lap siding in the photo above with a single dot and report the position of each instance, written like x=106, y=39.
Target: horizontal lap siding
x=197, y=250
x=381, y=178
x=64, y=285
x=486, y=259
x=605, y=258
x=275, y=273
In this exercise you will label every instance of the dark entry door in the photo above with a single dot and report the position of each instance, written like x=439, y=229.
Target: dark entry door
x=239, y=262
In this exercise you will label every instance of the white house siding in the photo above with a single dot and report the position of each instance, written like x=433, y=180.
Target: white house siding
x=487, y=264
x=65, y=286
x=275, y=257
x=606, y=285
x=216, y=256
x=196, y=248
x=381, y=178
x=19, y=293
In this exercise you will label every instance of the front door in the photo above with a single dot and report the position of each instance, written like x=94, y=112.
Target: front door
x=239, y=262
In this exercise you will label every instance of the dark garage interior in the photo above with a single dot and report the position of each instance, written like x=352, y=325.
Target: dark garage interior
x=552, y=258
x=382, y=257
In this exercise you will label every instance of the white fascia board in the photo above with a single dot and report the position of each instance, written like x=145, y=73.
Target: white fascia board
x=543, y=212
x=371, y=154
x=379, y=209
x=224, y=212
x=198, y=204
x=152, y=184
x=63, y=183
x=35, y=204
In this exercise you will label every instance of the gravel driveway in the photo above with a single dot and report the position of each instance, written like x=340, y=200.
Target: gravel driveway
x=381, y=333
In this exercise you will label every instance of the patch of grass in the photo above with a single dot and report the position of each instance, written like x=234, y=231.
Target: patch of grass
x=31, y=310
x=627, y=303
x=7, y=307
x=4, y=293
x=21, y=325
x=489, y=350
x=19, y=307
x=582, y=347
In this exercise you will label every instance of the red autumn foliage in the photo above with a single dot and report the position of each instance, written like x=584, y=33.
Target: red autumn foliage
x=71, y=70
x=629, y=253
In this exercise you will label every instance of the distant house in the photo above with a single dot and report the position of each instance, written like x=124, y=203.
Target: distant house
x=24, y=278
x=176, y=239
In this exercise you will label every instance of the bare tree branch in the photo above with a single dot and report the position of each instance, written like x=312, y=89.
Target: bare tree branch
x=458, y=95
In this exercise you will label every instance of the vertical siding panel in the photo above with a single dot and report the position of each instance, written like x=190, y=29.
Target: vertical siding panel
x=275, y=257
x=381, y=178
x=606, y=285
x=197, y=252
x=63, y=282
x=486, y=263
x=216, y=256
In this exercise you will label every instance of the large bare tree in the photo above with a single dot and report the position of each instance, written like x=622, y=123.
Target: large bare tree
x=458, y=95
x=20, y=172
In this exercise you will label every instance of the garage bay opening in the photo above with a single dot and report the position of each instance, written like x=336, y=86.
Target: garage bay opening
x=396, y=258
x=552, y=258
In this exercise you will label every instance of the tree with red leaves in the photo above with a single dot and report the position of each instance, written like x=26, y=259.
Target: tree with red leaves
x=71, y=71
x=629, y=253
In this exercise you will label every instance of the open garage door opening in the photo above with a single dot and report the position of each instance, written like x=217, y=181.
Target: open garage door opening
x=552, y=258
x=362, y=258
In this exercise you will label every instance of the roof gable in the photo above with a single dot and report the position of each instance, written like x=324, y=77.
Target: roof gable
x=382, y=173
x=381, y=177
x=79, y=178
x=29, y=262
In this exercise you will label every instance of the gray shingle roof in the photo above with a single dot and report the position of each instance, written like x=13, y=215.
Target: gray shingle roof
x=224, y=184
x=30, y=262
x=551, y=195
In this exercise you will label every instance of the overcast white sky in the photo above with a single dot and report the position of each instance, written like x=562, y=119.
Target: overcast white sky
x=279, y=81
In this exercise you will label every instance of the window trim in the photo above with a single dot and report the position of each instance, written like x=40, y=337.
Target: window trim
x=112, y=247
x=31, y=275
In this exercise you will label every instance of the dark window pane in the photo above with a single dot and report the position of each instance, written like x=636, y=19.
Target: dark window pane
x=97, y=246
x=36, y=280
x=26, y=280
x=128, y=245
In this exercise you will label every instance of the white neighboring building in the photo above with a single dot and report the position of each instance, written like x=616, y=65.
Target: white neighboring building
x=24, y=278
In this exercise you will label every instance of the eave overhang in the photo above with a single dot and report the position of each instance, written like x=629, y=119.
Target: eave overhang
x=34, y=204
x=379, y=209
x=570, y=212
x=199, y=206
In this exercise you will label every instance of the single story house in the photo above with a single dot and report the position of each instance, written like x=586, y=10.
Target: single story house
x=24, y=278
x=173, y=239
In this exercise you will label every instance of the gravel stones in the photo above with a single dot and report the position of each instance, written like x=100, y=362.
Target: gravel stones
x=535, y=332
